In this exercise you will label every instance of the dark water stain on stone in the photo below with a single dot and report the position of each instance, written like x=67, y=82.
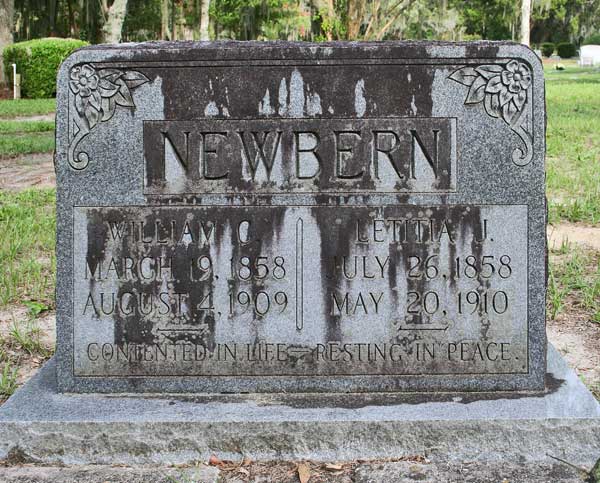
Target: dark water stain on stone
x=264, y=226
x=359, y=400
x=336, y=233
x=482, y=50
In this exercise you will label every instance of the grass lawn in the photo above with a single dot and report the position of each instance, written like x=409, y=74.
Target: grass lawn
x=12, y=145
x=12, y=127
x=574, y=277
x=22, y=136
x=26, y=107
x=27, y=239
x=573, y=144
x=27, y=277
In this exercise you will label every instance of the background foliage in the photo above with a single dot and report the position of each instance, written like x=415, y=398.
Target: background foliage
x=38, y=62
x=566, y=50
x=552, y=20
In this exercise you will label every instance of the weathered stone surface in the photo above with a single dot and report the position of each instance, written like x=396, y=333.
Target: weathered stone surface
x=467, y=472
x=41, y=424
x=371, y=472
x=104, y=474
x=296, y=217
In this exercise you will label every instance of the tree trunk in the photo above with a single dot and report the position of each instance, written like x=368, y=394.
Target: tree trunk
x=392, y=16
x=73, y=29
x=331, y=14
x=356, y=10
x=164, y=20
x=173, y=19
x=525, y=16
x=204, y=20
x=114, y=22
x=196, y=24
x=52, y=15
x=7, y=13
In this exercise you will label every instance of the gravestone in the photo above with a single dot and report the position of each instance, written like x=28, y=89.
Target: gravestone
x=265, y=218
x=301, y=221
x=589, y=55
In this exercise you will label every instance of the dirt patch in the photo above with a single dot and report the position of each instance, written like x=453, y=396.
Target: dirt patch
x=29, y=171
x=578, y=340
x=586, y=236
x=408, y=469
x=46, y=321
x=574, y=332
x=303, y=471
x=37, y=117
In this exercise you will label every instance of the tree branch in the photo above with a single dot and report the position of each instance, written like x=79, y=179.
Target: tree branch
x=402, y=6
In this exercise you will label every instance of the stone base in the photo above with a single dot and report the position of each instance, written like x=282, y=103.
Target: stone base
x=108, y=474
x=286, y=472
x=39, y=424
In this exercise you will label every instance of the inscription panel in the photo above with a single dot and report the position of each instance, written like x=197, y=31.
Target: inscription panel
x=288, y=156
x=301, y=290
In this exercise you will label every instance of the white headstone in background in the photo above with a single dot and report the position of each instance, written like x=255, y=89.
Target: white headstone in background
x=589, y=55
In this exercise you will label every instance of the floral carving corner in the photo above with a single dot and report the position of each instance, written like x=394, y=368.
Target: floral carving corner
x=97, y=93
x=503, y=89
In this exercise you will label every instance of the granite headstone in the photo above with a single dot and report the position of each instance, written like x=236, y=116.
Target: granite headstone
x=286, y=217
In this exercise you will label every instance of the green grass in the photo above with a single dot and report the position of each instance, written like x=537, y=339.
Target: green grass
x=573, y=144
x=25, y=137
x=27, y=240
x=572, y=74
x=12, y=145
x=24, y=341
x=27, y=336
x=12, y=127
x=26, y=107
x=575, y=280
x=8, y=379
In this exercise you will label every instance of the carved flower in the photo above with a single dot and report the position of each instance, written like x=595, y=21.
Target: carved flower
x=516, y=76
x=502, y=89
x=83, y=80
x=509, y=88
x=99, y=92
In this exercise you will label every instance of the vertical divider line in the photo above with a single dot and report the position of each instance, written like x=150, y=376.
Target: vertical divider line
x=299, y=274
